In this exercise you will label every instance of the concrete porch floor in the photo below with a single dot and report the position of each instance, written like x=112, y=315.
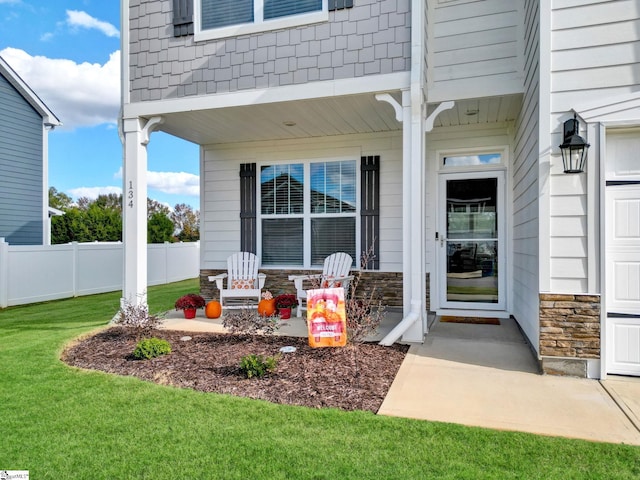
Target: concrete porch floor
x=487, y=376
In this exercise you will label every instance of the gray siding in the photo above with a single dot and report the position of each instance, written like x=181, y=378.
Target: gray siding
x=371, y=38
x=21, y=169
x=525, y=188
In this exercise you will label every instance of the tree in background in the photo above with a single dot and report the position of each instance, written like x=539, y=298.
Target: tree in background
x=159, y=228
x=187, y=222
x=100, y=220
x=59, y=200
x=153, y=206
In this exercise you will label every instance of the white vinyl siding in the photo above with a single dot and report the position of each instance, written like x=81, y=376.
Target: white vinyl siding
x=592, y=43
x=474, y=48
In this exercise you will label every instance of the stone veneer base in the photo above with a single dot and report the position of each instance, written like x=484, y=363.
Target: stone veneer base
x=569, y=333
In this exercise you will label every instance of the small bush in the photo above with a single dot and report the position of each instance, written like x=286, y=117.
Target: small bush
x=137, y=317
x=257, y=365
x=249, y=321
x=151, y=348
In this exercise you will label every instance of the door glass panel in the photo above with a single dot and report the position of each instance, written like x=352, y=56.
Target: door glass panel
x=472, y=240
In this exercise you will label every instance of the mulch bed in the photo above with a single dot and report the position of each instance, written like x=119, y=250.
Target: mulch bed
x=349, y=378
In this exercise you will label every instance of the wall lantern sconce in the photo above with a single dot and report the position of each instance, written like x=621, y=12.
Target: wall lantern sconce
x=574, y=148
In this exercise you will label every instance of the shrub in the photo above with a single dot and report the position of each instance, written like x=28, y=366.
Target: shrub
x=249, y=321
x=257, y=365
x=137, y=317
x=151, y=348
x=364, y=309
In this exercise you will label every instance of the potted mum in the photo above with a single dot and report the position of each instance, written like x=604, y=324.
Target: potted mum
x=189, y=303
x=284, y=303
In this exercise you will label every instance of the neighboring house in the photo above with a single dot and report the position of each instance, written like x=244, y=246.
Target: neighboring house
x=25, y=122
x=429, y=131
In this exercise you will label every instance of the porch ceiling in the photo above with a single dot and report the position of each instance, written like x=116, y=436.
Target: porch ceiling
x=344, y=115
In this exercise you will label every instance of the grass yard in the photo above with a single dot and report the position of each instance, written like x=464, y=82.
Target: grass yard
x=59, y=422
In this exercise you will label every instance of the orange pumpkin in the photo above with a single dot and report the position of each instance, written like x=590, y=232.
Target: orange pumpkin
x=266, y=308
x=213, y=309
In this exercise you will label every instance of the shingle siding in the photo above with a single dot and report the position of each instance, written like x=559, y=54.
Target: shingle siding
x=21, y=169
x=371, y=38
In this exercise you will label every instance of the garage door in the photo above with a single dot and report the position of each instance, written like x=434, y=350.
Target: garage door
x=623, y=258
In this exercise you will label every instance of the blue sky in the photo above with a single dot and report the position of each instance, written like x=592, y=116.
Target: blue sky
x=68, y=52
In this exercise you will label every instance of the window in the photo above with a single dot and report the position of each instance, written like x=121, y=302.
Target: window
x=472, y=160
x=307, y=204
x=220, y=18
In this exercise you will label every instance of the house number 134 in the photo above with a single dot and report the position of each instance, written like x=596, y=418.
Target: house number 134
x=130, y=194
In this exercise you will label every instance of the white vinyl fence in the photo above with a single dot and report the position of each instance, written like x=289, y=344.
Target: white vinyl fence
x=38, y=273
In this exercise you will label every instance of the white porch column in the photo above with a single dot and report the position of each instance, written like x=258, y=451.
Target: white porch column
x=415, y=262
x=134, y=208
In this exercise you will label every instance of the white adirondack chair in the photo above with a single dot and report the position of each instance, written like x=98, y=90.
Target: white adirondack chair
x=335, y=273
x=244, y=283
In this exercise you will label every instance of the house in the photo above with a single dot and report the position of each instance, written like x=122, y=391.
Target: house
x=434, y=128
x=25, y=122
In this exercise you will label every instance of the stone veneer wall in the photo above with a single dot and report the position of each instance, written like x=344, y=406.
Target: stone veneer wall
x=388, y=284
x=569, y=332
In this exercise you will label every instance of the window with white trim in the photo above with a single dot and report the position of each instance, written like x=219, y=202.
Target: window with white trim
x=311, y=205
x=218, y=18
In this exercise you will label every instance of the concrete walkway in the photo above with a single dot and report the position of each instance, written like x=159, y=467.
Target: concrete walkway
x=486, y=376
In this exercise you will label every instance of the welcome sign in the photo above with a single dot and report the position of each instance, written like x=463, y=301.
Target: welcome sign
x=326, y=317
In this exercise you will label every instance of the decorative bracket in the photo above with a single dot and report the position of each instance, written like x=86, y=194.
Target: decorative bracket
x=387, y=97
x=149, y=127
x=432, y=118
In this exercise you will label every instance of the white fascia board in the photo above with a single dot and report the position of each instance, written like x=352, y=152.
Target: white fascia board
x=307, y=91
x=48, y=117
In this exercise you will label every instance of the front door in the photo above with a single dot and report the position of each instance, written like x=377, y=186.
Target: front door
x=471, y=241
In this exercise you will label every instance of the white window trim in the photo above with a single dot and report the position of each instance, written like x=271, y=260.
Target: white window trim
x=503, y=150
x=306, y=215
x=259, y=25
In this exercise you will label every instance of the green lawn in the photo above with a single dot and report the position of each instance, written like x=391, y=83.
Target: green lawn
x=62, y=423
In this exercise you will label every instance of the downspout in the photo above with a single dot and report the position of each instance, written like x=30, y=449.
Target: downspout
x=413, y=316
x=415, y=313
x=413, y=141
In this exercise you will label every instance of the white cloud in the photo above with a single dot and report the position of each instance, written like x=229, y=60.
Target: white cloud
x=93, y=192
x=79, y=94
x=10, y=1
x=173, y=183
x=76, y=18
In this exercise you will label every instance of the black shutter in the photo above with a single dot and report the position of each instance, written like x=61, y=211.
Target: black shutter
x=370, y=209
x=248, y=219
x=340, y=4
x=182, y=18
